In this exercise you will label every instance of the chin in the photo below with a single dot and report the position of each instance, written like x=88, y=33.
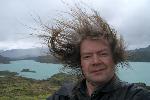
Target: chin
x=102, y=79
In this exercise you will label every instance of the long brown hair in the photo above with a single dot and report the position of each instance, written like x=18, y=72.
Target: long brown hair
x=66, y=35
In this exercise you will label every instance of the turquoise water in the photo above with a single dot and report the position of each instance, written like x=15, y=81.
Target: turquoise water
x=43, y=70
x=138, y=72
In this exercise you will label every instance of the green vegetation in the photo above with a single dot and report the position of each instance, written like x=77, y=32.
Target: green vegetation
x=27, y=70
x=19, y=88
x=7, y=73
x=61, y=78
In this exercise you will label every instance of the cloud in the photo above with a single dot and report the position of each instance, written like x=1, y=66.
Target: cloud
x=129, y=17
x=135, y=24
x=19, y=44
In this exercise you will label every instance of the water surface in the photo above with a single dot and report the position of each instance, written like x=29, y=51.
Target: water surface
x=138, y=72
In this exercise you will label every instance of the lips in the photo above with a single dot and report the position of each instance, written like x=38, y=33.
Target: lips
x=97, y=70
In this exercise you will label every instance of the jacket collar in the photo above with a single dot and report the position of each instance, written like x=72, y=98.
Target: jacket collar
x=71, y=88
x=111, y=86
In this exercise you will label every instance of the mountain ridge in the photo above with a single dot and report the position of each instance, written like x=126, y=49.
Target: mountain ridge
x=24, y=53
x=140, y=55
x=43, y=55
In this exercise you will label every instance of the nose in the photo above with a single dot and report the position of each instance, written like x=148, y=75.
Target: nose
x=96, y=59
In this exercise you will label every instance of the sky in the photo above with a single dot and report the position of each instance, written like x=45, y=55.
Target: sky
x=130, y=18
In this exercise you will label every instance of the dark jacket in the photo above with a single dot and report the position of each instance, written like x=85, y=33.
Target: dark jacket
x=113, y=90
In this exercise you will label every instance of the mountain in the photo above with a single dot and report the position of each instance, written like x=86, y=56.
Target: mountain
x=38, y=54
x=41, y=55
x=140, y=55
x=47, y=59
x=24, y=53
x=1, y=51
x=4, y=60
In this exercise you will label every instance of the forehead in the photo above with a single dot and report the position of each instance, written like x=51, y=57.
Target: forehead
x=94, y=45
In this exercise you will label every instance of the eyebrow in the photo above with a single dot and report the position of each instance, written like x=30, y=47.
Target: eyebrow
x=99, y=51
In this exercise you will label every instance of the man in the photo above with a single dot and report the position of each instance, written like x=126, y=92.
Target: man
x=88, y=43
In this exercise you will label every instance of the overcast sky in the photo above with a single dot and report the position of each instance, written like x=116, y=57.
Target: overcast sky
x=131, y=18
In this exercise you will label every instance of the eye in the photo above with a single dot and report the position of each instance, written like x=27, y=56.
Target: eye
x=103, y=54
x=86, y=57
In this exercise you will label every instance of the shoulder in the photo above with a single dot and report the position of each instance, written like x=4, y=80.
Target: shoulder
x=135, y=91
x=64, y=92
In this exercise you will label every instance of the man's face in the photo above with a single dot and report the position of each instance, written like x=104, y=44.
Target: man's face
x=97, y=61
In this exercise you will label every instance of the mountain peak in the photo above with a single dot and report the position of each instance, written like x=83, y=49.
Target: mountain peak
x=23, y=53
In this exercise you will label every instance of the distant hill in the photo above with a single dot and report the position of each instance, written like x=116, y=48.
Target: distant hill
x=24, y=53
x=137, y=55
x=47, y=59
x=38, y=54
x=1, y=51
x=140, y=55
x=4, y=60
x=41, y=55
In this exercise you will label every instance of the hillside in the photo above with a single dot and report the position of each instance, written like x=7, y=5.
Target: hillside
x=137, y=55
x=47, y=59
x=37, y=54
x=40, y=55
x=24, y=53
x=20, y=88
x=140, y=55
x=4, y=60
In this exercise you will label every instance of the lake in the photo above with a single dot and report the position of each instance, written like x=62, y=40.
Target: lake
x=43, y=70
x=138, y=72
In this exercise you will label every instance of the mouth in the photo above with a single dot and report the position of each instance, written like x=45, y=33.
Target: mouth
x=98, y=70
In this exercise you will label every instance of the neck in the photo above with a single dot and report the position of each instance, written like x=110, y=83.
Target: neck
x=91, y=87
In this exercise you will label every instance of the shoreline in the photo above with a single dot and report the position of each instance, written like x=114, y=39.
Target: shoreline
x=18, y=87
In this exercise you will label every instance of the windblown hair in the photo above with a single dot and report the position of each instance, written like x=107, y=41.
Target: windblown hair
x=66, y=36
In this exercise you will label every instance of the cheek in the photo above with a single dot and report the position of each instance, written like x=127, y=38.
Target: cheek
x=84, y=66
x=109, y=62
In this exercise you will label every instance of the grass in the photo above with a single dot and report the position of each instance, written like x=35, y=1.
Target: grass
x=14, y=87
x=19, y=88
